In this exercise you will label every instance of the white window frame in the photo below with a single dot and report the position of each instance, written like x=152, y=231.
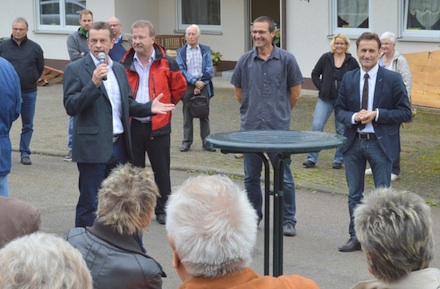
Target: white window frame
x=210, y=29
x=350, y=32
x=62, y=27
x=414, y=34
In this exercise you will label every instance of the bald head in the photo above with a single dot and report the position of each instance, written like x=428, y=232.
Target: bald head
x=115, y=25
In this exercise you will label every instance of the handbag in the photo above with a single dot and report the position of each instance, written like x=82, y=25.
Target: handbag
x=199, y=106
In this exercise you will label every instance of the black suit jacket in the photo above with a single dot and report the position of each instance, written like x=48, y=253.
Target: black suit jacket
x=92, y=140
x=390, y=98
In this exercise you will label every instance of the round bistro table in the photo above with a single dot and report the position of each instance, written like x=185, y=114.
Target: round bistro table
x=284, y=143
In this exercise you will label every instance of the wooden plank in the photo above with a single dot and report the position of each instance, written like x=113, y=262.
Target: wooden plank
x=50, y=75
x=425, y=69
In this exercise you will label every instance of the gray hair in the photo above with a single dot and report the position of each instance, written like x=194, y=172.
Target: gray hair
x=144, y=24
x=43, y=261
x=213, y=226
x=22, y=20
x=196, y=27
x=127, y=199
x=395, y=231
x=388, y=35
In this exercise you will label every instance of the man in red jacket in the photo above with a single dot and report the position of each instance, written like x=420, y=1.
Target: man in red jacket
x=150, y=73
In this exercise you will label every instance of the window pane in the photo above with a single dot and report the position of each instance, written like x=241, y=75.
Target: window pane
x=352, y=13
x=201, y=12
x=423, y=15
x=59, y=14
x=50, y=12
x=72, y=10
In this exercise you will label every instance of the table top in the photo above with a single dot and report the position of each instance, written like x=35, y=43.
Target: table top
x=282, y=141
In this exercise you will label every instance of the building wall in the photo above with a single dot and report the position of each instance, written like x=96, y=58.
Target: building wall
x=308, y=39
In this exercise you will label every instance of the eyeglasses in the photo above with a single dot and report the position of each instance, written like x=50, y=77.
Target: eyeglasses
x=340, y=43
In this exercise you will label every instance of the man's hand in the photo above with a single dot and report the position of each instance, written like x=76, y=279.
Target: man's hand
x=158, y=107
x=199, y=84
x=99, y=73
x=365, y=116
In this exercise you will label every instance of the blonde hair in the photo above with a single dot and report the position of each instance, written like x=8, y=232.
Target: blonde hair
x=344, y=37
x=127, y=199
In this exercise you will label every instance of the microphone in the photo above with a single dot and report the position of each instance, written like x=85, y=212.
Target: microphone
x=101, y=58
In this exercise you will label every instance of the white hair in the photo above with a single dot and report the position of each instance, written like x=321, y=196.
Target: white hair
x=388, y=35
x=213, y=226
x=42, y=261
x=195, y=27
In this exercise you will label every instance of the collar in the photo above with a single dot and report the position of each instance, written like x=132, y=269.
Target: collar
x=111, y=236
x=372, y=73
x=197, y=47
x=151, y=59
x=82, y=31
x=118, y=38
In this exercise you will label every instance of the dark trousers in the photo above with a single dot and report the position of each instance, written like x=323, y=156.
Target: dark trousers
x=188, y=119
x=158, y=150
x=91, y=176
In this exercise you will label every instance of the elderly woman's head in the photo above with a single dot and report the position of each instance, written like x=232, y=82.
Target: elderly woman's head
x=395, y=231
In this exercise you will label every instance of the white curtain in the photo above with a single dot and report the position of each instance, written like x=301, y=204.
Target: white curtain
x=354, y=12
x=427, y=12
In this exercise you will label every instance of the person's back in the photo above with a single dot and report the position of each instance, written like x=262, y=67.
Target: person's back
x=113, y=247
x=115, y=262
x=212, y=230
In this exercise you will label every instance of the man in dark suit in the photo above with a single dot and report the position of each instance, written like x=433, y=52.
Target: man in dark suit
x=372, y=103
x=100, y=98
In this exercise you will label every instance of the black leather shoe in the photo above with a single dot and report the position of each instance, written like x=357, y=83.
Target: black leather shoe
x=351, y=246
x=209, y=148
x=309, y=164
x=185, y=147
x=337, y=166
x=161, y=218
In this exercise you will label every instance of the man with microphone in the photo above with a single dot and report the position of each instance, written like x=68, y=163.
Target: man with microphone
x=97, y=93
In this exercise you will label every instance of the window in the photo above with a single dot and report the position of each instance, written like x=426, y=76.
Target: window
x=421, y=18
x=350, y=16
x=205, y=13
x=58, y=15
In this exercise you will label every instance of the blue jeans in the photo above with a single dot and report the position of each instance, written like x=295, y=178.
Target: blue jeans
x=27, y=120
x=252, y=171
x=356, y=158
x=69, y=132
x=4, y=186
x=323, y=110
x=91, y=176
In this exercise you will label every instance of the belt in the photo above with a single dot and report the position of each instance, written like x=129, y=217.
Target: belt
x=142, y=121
x=366, y=136
x=116, y=137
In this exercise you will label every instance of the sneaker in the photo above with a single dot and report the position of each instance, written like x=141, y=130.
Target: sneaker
x=368, y=171
x=289, y=229
x=394, y=177
x=68, y=157
x=337, y=166
x=26, y=160
x=309, y=164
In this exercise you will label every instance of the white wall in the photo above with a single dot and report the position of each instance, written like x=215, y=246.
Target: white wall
x=308, y=29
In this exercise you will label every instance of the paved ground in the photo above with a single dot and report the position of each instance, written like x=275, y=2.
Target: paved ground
x=51, y=184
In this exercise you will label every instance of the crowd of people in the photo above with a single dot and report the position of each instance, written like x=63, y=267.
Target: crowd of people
x=120, y=90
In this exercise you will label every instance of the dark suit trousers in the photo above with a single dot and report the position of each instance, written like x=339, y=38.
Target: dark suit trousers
x=188, y=119
x=91, y=176
x=158, y=150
